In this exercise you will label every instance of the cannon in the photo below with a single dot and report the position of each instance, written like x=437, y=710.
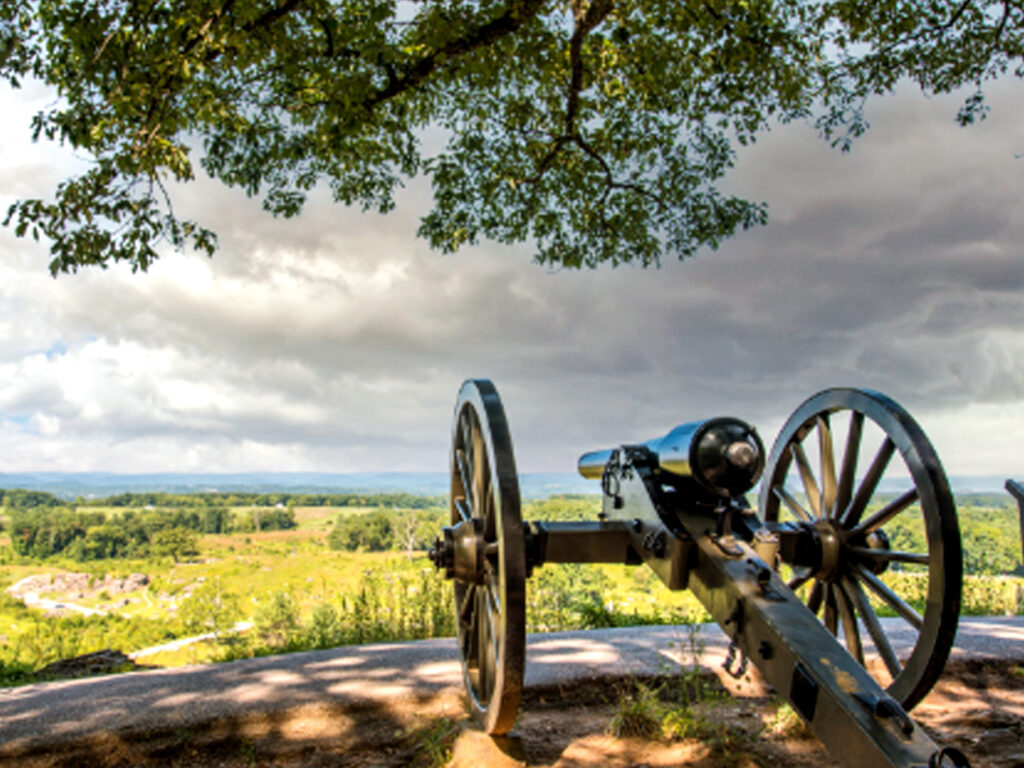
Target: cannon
x=796, y=583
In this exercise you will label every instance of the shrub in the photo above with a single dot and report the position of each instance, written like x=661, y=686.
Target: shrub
x=177, y=543
x=210, y=609
x=277, y=620
x=639, y=713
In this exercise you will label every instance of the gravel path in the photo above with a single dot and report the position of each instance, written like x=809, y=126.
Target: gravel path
x=44, y=717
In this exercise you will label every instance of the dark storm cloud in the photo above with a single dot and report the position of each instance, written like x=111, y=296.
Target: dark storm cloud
x=337, y=341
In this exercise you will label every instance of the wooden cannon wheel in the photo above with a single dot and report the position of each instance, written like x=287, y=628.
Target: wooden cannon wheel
x=851, y=519
x=489, y=557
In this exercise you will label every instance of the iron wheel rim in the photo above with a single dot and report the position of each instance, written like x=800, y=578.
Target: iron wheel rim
x=844, y=501
x=490, y=616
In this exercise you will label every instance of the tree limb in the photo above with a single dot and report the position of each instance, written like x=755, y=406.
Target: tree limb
x=585, y=22
x=520, y=12
x=610, y=182
x=279, y=11
x=955, y=16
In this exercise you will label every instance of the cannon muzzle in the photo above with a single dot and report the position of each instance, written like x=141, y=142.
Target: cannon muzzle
x=723, y=455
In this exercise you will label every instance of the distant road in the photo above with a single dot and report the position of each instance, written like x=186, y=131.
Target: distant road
x=371, y=679
x=184, y=642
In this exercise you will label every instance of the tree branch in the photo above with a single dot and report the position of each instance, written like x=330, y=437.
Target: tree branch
x=513, y=19
x=955, y=16
x=279, y=11
x=585, y=22
x=546, y=161
x=610, y=182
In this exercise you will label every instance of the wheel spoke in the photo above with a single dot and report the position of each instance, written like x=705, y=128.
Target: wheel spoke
x=470, y=643
x=814, y=599
x=468, y=456
x=826, y=453
x=893, y=600
x=463, y=509
x=466, y=427
x=798, y=581
x=850, y=629
x=483, y=625
x=886, y=513
x=488, y=512
x=807, y=476
x=890, y=555
x=477, y=476
x=868, y=485
x=831, y=617
x=493, y=592
x=467, y=488
x=488, y=641
x=793, y=504
x=493, y=615
x=878, y=636
x=466, y=608
x=849, y=471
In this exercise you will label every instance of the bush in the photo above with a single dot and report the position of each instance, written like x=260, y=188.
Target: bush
x=370, y=532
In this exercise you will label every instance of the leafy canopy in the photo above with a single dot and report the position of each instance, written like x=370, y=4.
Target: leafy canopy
x=596, y=130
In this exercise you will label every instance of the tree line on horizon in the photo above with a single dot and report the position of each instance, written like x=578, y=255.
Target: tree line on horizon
x=21, y=498
x=84, y=535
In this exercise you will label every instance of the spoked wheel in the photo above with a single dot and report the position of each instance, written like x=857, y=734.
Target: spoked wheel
x=484, y=552
x=861, y=531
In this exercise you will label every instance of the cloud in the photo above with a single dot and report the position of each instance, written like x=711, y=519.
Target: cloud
x=336, y=341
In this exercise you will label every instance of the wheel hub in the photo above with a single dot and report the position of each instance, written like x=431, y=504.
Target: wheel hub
x=460, y=551
x=830, y=545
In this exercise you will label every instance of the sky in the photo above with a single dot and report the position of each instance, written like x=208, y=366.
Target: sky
x=337, y=341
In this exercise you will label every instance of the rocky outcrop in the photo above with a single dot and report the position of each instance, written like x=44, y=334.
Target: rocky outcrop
x=79, y=585
x=97, y=663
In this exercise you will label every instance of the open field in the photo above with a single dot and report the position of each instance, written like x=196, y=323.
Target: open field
x=271, y=591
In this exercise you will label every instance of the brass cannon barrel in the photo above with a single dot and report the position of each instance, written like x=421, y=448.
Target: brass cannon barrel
x=723, y=455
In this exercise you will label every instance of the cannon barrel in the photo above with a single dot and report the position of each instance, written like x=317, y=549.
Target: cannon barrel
x=723, y=455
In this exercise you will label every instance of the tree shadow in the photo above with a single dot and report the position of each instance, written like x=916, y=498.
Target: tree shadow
x=351, y=699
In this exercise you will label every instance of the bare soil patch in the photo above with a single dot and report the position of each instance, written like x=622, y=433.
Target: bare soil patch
x=977, y=707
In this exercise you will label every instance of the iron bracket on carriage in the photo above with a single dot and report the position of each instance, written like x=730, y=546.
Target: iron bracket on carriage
x=796, y=583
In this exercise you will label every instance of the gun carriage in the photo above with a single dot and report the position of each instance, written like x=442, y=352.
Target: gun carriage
x=794, y=583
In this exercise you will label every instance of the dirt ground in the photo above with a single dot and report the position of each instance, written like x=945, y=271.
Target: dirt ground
x=977, y=707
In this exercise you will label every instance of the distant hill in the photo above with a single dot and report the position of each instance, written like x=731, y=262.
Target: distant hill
x=70, y=485
x=534, y=485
